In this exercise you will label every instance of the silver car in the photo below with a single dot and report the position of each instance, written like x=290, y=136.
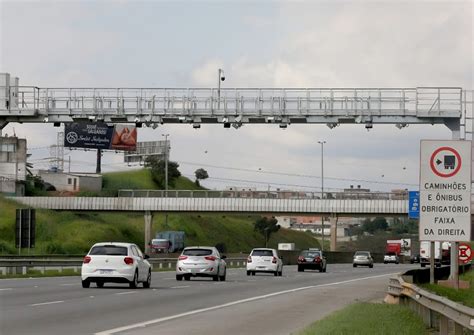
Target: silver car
x=363, y=258
x=201, y=262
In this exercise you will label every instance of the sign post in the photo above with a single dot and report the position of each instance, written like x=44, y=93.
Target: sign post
x=445, y=194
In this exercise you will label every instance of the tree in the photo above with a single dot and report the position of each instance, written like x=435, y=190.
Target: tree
x=371, y=226
x=157, y=169
x=200, y=174
x=266, y=227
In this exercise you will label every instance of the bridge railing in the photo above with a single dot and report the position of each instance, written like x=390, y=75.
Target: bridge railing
x=251, y=194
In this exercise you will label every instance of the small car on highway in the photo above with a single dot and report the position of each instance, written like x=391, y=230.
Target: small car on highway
x=312, y=259
x=391, y=257
x=201, y=262
x=264, y=260
x=415, y=259
x=363, y=258
x=116, y=262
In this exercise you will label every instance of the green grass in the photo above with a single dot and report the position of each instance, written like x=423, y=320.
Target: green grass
x=64, y=232
x=368, y=319
x=465, y=297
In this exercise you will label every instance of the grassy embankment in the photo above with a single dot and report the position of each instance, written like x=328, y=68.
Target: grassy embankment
x=369, y=319
x=465, y=297
x=74, y=232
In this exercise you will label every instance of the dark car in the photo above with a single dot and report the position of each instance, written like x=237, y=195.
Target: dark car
x=415, y=259
x=312, y=259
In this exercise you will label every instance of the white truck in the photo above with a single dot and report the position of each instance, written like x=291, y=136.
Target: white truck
x=440, y=249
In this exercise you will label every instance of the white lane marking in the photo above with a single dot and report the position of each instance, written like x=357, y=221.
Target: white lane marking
x=91, y=296
x=47, y=303
x=68, y=284
x=36, y=286
x=202, y=310
x=180, y=286
x=128, y=292
x=6, y=289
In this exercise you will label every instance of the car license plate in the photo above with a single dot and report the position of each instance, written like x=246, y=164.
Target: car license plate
x=261, y=267
x=105, y=272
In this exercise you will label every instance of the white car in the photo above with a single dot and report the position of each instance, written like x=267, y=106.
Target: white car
x=201, y=262
x=264, y=260
x=391, y=257
x=116, y=262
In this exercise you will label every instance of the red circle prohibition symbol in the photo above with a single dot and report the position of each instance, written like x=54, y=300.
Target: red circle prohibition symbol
x=465, y=253
x=445, y=175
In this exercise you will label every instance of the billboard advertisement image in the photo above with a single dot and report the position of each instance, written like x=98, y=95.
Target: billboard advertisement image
x=99, y=135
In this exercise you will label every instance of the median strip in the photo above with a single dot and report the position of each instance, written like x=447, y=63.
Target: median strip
x=202, y=310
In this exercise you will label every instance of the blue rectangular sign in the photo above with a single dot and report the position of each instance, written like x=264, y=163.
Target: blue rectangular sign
x=414, y=204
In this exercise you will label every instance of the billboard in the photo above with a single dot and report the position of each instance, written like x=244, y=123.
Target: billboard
x=99, y=135
x=147, y=149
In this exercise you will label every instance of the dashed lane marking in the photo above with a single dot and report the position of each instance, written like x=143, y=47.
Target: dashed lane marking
x=47, y=303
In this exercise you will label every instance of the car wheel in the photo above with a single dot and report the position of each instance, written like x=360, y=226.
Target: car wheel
x=280, y=273
x=248, y=273
x=222, y=278
x=147, y=283
x=423, y=265
x=187, y=277
x=300, y=269
x=86, y=284
x=100, y=284
x=275, y=273
x=253, y=273
x=354, y=265
x=371, y=266
x=179, y=277
x=134, y=282
x=325, y=269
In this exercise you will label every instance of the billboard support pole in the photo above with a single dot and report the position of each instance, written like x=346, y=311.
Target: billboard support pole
x=454, y=275
x=99, y=159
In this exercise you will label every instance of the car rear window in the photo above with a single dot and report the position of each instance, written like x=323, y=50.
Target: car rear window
x=109, y=250
x=262, y=253
x=310, y=254
x=362, y=253
x=197, y=252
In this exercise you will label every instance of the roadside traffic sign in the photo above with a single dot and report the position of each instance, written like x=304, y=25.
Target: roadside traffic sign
x=465, y=253
x=445, y=191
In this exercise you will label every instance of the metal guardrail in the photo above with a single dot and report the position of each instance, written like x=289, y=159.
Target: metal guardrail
x=22, y=265
x=436, y=312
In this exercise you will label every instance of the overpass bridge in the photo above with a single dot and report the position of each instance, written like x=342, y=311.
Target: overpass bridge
x=341, y=204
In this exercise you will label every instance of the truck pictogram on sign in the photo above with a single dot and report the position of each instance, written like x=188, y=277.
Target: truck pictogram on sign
x=445, y=162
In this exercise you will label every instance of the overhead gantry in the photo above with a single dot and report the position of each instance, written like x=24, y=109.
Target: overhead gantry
x=233, y=106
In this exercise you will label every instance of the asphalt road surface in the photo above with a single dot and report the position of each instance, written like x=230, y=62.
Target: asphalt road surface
x=260, y=304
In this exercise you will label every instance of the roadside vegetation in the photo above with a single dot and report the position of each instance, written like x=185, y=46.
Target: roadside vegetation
x=369, y=319
x=463, y=296
x=47, y=273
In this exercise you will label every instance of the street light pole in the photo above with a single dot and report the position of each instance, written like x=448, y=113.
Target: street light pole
x=166, y=173
x=220, y=77
x=322, y=188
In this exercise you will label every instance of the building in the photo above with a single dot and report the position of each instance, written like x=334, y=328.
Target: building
x=12, y=165
x=72, y=181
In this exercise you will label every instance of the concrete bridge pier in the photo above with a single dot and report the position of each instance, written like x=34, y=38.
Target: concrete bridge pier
x=148, y=225
x=333, y=224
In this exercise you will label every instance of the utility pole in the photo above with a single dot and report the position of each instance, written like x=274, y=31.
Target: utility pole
x=99, y=161
x=220, y=77
x=322, y=189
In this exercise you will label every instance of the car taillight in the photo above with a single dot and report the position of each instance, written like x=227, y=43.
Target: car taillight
x=249, y=259
x=182, y=258
x=317, y=259
x=128, y=260
x=301, y=259
x=274, y=260
x=210, y=258
x=87, y=260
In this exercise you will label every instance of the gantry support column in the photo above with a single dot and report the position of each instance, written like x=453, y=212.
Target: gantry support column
x=3, y=124
x=148, y=225
x=333, y=222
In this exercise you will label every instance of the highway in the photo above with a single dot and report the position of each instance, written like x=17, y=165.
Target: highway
x=261, y=304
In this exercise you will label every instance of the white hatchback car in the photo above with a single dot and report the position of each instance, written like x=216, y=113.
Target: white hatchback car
x=264, y=260
x=201, y=262
x=116, y=262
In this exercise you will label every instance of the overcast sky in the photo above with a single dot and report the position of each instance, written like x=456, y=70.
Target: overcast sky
x=258, y=44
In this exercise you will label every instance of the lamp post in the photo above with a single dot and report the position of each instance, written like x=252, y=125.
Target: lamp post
x=166, y=173
x=322, y=188
x=220, y=77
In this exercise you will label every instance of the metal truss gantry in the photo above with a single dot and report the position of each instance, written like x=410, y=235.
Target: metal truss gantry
x=234, y=106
